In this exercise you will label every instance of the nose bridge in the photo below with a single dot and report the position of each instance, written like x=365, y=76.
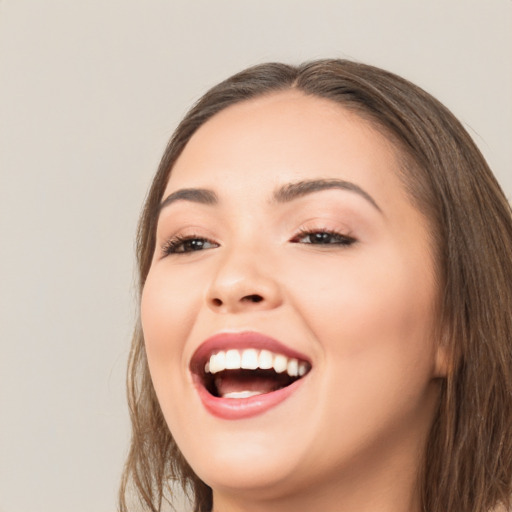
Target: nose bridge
x=244, y=279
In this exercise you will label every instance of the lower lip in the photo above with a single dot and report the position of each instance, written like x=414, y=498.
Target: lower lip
x=240, y=408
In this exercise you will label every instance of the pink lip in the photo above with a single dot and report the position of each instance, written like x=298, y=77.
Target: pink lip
x=238, y=408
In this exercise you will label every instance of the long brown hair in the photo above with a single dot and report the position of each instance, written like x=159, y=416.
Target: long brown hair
x=467, y=466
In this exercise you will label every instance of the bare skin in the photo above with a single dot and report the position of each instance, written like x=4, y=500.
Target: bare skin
x=342, y=273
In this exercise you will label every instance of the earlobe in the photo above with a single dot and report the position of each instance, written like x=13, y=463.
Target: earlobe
x=443, y=361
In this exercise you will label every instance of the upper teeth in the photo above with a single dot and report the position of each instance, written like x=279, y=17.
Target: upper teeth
x=252, y=359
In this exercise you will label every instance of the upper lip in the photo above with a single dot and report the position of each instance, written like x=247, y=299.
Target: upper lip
x=240, y=340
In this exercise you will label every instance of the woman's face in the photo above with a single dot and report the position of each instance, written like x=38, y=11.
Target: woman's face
x=287, y=246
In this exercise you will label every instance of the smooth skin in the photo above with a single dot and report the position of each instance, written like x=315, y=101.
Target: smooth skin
x=345, y=276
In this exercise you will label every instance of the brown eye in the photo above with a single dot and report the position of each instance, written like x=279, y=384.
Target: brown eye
x=323, y=238
x=181, y=245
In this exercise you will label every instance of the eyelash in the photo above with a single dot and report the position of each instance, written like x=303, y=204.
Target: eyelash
x=177, y=244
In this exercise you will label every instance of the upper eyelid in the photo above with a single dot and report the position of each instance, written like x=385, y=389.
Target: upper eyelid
x=328, y=225
x=166, y=232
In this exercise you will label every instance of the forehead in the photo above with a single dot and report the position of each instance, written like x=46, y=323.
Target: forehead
x=282, y=137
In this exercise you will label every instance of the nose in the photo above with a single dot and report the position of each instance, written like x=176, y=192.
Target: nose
x=244, y=282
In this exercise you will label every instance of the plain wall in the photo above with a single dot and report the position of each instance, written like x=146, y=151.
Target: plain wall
x=89, y=94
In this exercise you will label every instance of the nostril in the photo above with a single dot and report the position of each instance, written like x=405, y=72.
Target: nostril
x=253, y=298
x=217, y=302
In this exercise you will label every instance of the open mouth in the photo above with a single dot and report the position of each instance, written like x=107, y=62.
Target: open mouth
x=245, y=373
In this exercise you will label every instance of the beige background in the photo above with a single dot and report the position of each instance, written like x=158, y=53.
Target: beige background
x=89, y=94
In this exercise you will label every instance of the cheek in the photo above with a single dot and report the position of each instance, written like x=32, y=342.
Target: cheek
x=373, y=323
x=375, y=307
x=167, y=313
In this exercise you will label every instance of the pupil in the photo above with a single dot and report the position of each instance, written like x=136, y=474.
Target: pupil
x=195, y=245
x=320, y=237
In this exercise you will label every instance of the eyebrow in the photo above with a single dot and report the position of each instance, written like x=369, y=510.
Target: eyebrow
x=196, y=195
x=299, y=189
x=284, y=194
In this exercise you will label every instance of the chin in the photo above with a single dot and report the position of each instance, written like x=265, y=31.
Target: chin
x=253, y=473
x=248, y=459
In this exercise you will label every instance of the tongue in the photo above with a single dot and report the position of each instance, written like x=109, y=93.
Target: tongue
x=232, y=384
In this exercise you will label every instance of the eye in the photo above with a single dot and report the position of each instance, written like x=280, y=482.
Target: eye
x=186, y=244
x=322, y=237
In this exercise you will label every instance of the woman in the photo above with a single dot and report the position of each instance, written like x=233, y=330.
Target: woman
x=326, y=303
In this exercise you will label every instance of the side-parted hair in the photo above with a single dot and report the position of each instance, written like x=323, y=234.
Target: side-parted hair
x=467, y=464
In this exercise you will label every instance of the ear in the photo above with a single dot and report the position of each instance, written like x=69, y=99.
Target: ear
x=443, y=361
x=445, y=356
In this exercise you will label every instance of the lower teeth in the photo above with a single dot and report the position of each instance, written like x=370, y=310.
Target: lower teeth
x=242, y=394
